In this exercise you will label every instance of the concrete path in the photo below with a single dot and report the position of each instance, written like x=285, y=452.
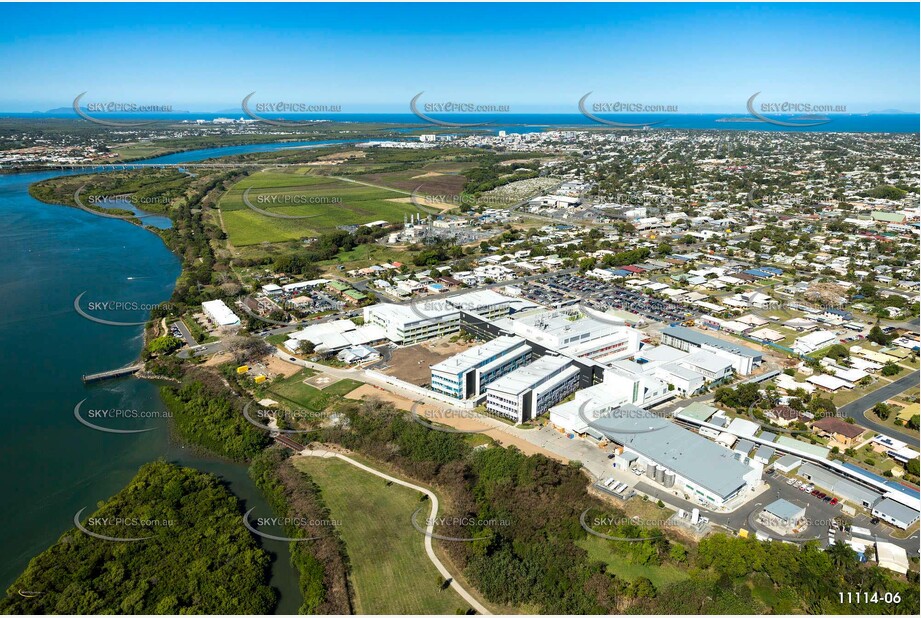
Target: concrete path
x=429, y=529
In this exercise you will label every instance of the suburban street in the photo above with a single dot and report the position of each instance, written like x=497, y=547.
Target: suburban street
x=857, y=408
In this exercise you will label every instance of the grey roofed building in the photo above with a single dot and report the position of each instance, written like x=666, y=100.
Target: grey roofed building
x=895, y=513
x=687, y=454
x=840, y=486
x=764, y=453
x=767, y=436
x=787, y=463
x=785, y=510
x=692, y=336
x=744, y=446
x=698, y=411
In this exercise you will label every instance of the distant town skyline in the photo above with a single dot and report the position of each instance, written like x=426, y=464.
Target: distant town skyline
x=534, y=59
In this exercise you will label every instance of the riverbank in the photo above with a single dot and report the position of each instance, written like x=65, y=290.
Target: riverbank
x=55, y=466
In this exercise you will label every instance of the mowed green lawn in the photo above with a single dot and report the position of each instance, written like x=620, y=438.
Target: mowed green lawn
x=296, y=393
x=327, y=202
x=391, y=573
x=598, y=549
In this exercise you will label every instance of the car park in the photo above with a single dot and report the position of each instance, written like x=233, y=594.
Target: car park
x=834, y=501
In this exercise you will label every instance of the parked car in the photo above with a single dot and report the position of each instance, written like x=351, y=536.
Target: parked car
x=834, y=501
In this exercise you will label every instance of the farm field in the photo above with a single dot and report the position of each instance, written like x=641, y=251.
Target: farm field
x=325, y=202
x=391, y=573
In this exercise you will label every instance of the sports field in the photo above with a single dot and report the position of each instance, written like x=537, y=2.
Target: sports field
x=324, y=203
x=391, y=573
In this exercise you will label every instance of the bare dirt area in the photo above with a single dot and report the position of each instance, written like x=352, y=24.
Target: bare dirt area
x=409, y=200
x=369, y=390
x=279, y=367
x=463, y=421
x=412, y=364
x=218, y=359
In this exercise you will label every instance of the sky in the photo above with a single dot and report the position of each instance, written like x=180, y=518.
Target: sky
x=531, y=57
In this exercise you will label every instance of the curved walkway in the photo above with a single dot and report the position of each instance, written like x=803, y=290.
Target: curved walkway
x=430, y=527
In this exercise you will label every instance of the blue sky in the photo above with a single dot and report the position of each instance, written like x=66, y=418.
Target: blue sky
x=537, y=57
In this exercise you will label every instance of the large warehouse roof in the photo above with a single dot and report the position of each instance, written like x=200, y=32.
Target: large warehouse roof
x=688, y=454
x=692, y=336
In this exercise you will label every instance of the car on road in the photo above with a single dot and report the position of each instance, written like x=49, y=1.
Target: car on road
x=292, y=359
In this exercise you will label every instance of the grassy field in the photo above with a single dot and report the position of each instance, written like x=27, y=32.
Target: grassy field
x=294, y=391
x=328, y=202
x=363, y=256
x=391, y=574
x=598, y=549
x=436, y=178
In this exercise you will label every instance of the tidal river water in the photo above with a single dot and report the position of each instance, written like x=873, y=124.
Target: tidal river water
x=51, y=465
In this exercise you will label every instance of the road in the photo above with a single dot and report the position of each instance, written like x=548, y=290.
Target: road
x=857, y=408
x=429, y=529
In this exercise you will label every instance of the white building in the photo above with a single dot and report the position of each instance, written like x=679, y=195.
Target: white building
x=528, y=392
x=743, y=359
x=336, y=335
x=579, y=334
x=467, y=374
x=807, y=344
x=430, y=318
x=220, y=313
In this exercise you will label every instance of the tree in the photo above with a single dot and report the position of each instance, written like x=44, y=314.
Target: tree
x=911, y=466
x=877, y=336
x=837, y=352
x=882, y=410
x=890, y=369
x=164, y=345
x=243, y=348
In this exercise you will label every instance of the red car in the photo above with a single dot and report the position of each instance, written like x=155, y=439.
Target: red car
x=834, y=501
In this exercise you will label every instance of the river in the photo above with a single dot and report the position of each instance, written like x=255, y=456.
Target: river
x=52, y=466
